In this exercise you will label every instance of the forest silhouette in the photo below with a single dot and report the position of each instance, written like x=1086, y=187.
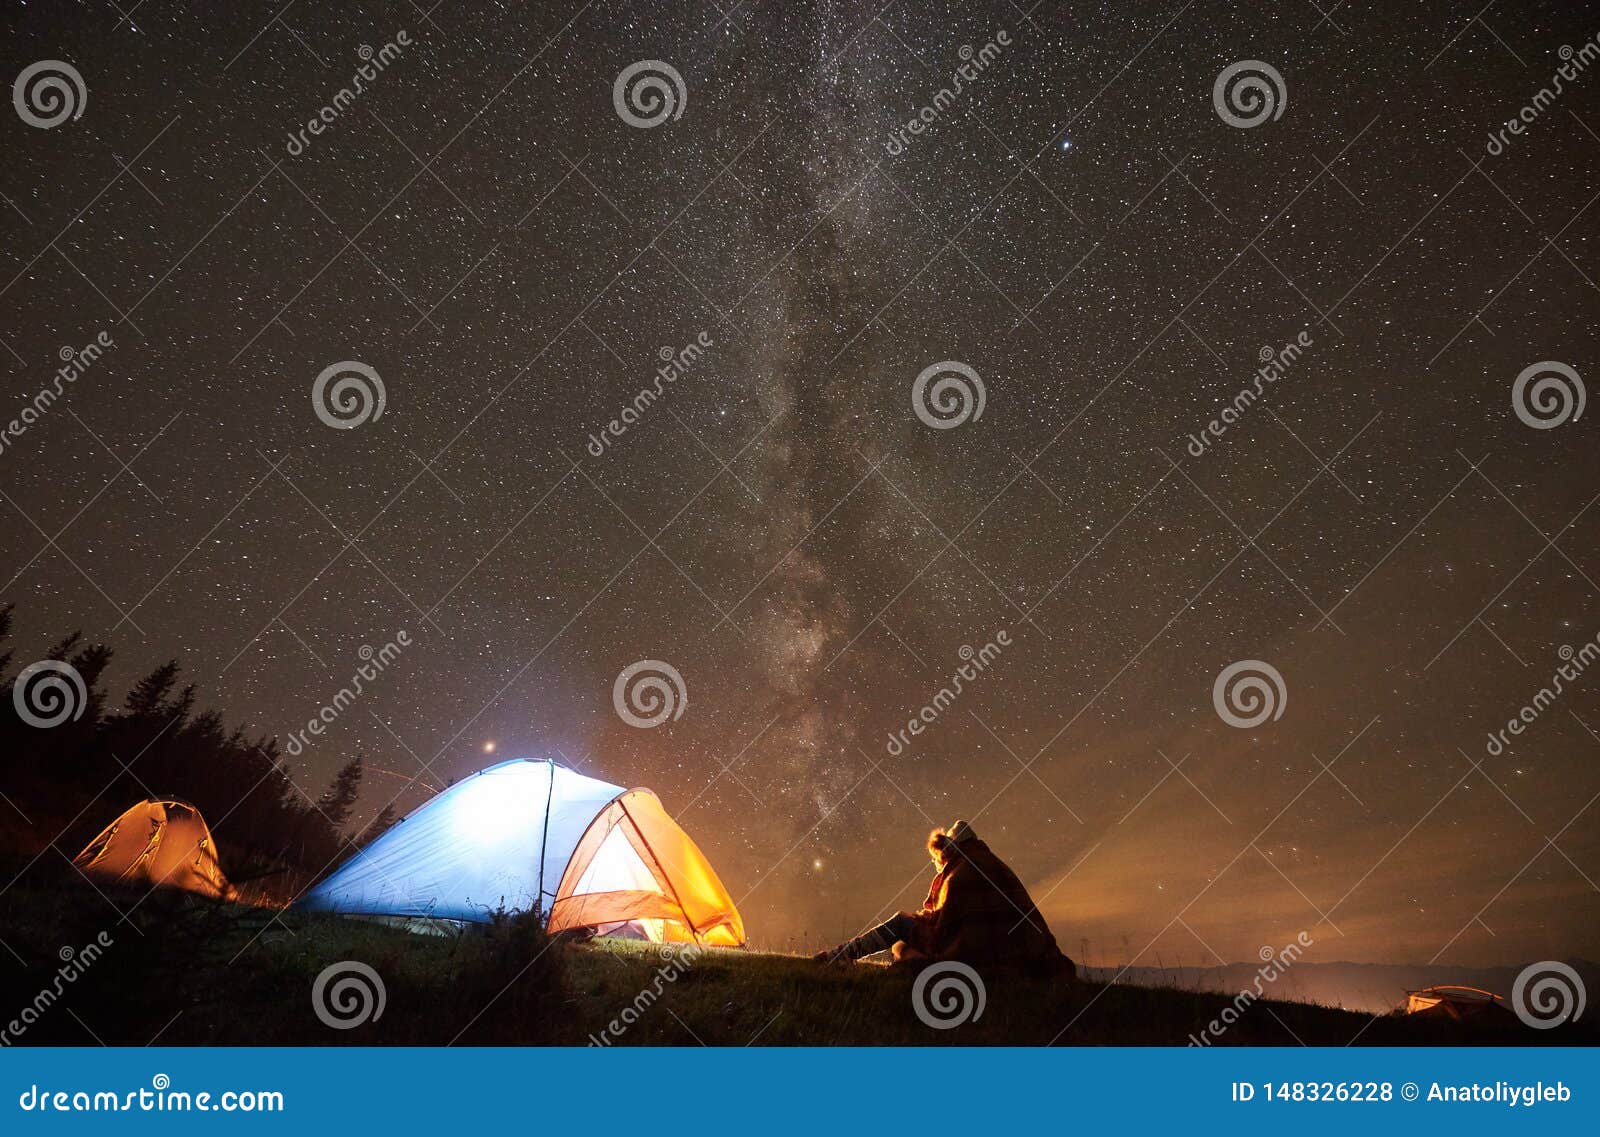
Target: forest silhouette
x=67, y=781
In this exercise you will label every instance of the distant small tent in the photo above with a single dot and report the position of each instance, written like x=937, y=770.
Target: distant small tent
x=1462, y=1004
x=157, y=844
x=530, y=835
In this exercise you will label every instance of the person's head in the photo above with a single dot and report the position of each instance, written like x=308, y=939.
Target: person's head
x=943, y=843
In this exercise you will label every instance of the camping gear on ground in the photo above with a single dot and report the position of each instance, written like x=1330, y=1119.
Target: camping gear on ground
x=157, y=844
x=531, y=835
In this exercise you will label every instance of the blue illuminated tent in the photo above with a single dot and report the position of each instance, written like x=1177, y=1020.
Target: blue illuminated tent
x=525, y=835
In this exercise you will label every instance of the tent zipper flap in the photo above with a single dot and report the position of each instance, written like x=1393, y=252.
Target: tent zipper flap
x=661, y=869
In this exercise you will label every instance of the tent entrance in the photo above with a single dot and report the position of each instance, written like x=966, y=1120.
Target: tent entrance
x=635, y=872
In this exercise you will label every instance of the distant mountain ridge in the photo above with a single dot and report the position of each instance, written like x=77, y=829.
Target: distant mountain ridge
x=1370, y=987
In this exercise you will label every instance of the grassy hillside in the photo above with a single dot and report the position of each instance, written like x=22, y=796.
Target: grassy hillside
x=182, y=971
x=1369, y=987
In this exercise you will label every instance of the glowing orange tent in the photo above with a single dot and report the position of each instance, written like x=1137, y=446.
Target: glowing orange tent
x=1460, y=1003
x=157, y=844
x=529, y=835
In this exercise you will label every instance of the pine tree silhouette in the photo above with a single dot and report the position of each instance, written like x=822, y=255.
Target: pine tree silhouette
x=70, y=779
x=339, y=800
x=379, y=825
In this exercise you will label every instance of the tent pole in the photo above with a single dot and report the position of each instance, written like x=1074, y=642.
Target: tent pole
x=544, y=841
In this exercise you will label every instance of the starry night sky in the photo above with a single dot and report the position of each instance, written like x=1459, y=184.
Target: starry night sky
x=1079, y=226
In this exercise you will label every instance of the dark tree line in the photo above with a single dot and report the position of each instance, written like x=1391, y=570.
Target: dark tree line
x=73, y=778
